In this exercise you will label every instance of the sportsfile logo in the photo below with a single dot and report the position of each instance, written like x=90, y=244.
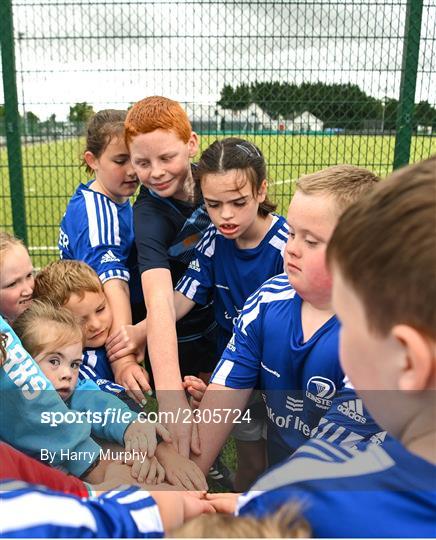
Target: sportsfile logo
x=109, y=257
x=194, y=265
x=320, y=390
x=353, y=409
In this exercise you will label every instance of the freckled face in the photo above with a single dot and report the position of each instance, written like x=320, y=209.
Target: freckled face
x=161, y=161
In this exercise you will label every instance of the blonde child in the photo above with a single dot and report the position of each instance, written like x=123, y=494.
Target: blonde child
x=286, y=339
x=75, y=286
x=54, y=338
x=16, y=277
x=97, y=228
x=383, y=258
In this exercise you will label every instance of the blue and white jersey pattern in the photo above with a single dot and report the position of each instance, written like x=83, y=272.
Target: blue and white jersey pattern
x=382, y=491
x=87, y=373
x=35, y=512
x=96, y=366
x=98, y=231
x=348, y=423
x=299, y=379
x=232, y=274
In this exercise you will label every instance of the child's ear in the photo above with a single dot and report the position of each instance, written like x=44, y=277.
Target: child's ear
x=261, y=194
x=193, y=144
x=420, y=351
x=90, y=160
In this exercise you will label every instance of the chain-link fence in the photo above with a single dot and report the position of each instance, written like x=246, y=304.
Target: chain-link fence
x=313, y=83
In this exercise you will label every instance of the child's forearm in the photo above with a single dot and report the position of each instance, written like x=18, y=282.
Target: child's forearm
x=118, y=296
x=182, y=305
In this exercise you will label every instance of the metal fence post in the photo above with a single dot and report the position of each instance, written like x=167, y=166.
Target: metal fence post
x=404, y=127
x=12, y=121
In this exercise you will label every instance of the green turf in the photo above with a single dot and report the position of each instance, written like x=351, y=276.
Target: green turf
x=52, y=172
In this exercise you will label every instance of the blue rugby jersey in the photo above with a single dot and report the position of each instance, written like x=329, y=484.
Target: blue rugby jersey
x=232, y=274
x=382, y=491
x=99, y=231
x=36, y=512
x=267, y=351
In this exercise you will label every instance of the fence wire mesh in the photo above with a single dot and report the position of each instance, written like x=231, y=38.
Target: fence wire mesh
x=313, y=83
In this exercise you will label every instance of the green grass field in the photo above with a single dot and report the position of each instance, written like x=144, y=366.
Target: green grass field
x=52, y=172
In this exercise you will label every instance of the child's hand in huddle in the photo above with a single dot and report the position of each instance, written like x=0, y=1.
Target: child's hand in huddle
x=133, y=377
x=196, y=388
x=130, y=339
x=147, y=470
x=141, y=436
x=180, y=471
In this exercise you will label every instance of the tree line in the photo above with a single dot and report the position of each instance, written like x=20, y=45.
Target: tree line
x=343, y=106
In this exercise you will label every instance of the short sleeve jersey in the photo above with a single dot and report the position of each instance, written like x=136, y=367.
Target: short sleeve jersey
x=30, y=511
x=267, y=351
x=382, y=491
x=99, y=231
x=166, y=233
x=232, y=274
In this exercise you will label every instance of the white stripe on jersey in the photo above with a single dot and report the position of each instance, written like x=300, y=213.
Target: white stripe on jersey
x=100, y=212
x=222, y=372
x=188, y=287
x=277, y=283
x=115, y=224
x=278, y=243
x=94, y=239
x=264, y=297
x=299, y=469
x=91, y=358
x=207, y=243
x=106, y=210
x=147, y=519
x=39, y=511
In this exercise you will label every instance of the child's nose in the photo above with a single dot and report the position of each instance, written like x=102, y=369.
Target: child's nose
x=66, y=374
x=157, y=171
x=293, y=247
x=226, y=211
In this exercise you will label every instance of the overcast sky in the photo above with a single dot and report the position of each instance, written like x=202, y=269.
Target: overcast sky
x=112, y=53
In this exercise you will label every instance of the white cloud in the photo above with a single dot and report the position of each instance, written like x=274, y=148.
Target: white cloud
x=112, y=53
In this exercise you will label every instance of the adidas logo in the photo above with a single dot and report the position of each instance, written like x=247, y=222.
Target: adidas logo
x=231, y=344
x=109, y=257
x=378, y=438
x=194, y=265
x=353, y=409
x=295, y=405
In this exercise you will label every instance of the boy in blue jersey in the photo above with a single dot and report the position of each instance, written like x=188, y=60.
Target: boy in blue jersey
x=97, y=228
x=286, y=339
x=383, y=257
x=76, y=286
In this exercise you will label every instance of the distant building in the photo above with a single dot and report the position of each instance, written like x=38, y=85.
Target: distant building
x=424, y=130
x=305, y=121
x=206, y=117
